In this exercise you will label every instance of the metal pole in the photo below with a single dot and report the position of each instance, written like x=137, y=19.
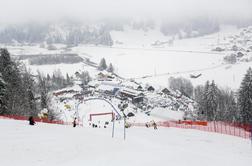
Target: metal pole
x=215, y=127
x=124, y=128
x=77, y=112
x=113, y=128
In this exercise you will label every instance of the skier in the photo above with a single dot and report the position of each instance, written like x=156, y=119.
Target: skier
x=147, y=125
x=31, y=120
x=154, y=125
x=74, y=122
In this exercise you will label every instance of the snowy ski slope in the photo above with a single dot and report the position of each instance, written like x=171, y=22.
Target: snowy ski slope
x=50, y=145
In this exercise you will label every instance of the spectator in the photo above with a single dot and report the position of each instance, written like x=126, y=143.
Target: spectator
x=154, y=125
x=74, y=122
x=31, y=120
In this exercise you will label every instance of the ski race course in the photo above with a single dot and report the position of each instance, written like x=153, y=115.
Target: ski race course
x=51, y=144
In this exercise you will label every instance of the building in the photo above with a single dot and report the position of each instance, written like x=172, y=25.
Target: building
x=150, y=89
x=166, y=91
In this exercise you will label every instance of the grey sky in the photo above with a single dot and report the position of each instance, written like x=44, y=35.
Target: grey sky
x=24, y=10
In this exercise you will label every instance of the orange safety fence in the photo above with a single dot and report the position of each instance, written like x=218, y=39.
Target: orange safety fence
x=43, y=120
x=189, y=122
x=235, y=129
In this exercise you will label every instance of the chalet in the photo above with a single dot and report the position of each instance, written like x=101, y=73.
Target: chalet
x=77, y=74
x=150, y=89
x=131, y=84
x=139, y=88
x=108, y=89
x=139, y=98
x=166, y=91
x=93, y=84
x=125, y=93
x=130, y=114
x=102, y=76
x=240, y=54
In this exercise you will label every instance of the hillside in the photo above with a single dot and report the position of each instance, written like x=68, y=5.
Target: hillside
x=144, y=64
x=135, y=56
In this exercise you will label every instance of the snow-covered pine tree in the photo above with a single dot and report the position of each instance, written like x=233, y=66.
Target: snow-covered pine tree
x=48, y=78
x=183, y=85
x=110, y=68
x=68, y=80
x=2, y=94
x=15, y=98
x=227, y=107
x=212, y=100
x=105, y=39
x=102, y=65
x=204, y=108
x=29, y=90
x=43, y=91
x=198, y=97
x=85, y=77
x=11, y=76
x=5, y=60
x=245, y=98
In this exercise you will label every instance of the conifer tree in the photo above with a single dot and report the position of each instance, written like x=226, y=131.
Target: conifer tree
x=110, y=68
x=43, y=91
x=208, y=102
x=29, y=89
x=2, y=95
x=212, y=99
x=102, y=65
x=16, y=98
x=68, y=80
x=245, y=98
x=11, y=76
x=204, y=104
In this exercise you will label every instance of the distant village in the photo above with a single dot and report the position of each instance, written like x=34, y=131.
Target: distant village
x=109, y=86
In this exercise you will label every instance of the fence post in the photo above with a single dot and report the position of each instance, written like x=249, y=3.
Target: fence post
x=229, y=131
x=113, y=128
x=221, y=128
x=225, y=128
x=234, y=129
x=240, y=130
x=214, y=127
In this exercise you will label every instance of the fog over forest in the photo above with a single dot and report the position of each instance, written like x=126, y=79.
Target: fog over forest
x=14, y=11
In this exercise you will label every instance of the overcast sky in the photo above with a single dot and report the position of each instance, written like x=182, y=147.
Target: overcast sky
x=25, y=10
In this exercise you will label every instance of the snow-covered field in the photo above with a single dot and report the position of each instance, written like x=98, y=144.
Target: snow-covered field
x=50, y=145
x=136, y=57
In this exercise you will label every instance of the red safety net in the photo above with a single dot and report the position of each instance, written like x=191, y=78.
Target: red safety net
x=235, y=129
x=43, y=120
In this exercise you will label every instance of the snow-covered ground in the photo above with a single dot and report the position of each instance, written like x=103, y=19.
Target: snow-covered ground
x=50, y=145
x=136, y=57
